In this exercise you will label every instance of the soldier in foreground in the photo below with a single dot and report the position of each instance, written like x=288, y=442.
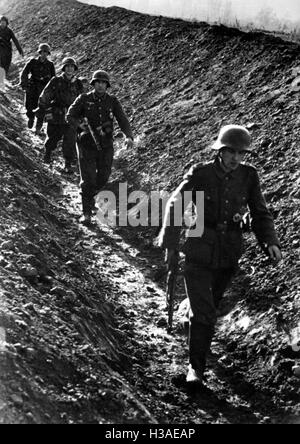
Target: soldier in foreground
x=229, y=187
x=6, y=37
x=97, y=111
x=35, y=76
x=54, y=103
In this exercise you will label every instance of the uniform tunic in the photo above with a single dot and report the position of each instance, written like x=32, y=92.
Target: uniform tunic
x=96, y=164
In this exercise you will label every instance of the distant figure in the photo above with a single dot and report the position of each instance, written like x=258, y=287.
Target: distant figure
x=35, y=76
x=85, y=84
x=6, y=36
x=54, y=103
x=95, y=143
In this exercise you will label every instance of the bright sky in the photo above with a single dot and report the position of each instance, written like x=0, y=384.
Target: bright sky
x=243, y=9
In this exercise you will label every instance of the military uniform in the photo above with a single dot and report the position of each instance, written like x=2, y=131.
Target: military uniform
x=6, y=37
x=212, y=260
x=54, y=102
x=34, y=78
x=96, y=164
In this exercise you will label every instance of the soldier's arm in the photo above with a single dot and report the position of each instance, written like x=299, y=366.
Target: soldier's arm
x=16, y=42
x=169, y=237
x=48, y=95
x=53, y=71
x=122, y=119
x=263, y=222
x=24, y=74
x=75, y=112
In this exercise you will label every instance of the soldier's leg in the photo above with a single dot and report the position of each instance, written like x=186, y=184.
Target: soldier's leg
x=39, y=118
x=69, y=145
x=6, y=60
x=104, y=166
x=54, y=135
x=198, y=282
x=31, y=103
x=88, y=174
x=221, y=281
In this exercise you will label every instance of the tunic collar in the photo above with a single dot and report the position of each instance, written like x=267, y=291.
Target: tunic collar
x=221, y=174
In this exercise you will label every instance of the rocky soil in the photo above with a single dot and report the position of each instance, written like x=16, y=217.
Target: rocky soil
x=82, y=318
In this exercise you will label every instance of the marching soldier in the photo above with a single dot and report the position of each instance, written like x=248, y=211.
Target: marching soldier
x=35, y=76
x=6, y=37
x=230, y=187
x=97, y=110
x=54, y=103
x=85, y=84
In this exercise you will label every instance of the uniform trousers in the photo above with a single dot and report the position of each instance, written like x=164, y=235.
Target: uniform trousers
x=205, y=288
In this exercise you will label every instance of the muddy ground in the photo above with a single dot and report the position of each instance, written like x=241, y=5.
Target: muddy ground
x=82, y=312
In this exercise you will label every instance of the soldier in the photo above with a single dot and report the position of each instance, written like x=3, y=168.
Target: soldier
x=35, y=76
x=85, y=84
x=54, y=103
x=230, y=187
x=95, y=143
x=6, y=36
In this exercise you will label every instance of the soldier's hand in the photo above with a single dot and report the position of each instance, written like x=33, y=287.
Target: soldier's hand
x=171, y=258
x=84, y=127
x=275, y=253
x=129, y=143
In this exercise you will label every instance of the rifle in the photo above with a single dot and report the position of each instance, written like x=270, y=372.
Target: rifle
x=171, y=287
x=93, y=134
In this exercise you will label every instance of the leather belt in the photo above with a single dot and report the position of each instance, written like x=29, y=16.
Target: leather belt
x=231, y=226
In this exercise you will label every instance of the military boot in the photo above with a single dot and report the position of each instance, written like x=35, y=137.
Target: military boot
x=200, y=338
x=194, y=376
x=30, y=122
x=47, y=157
x=38, y=128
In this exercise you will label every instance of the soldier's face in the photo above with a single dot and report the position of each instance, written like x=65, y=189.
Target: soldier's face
x=232, y=159
x=44, y=55
x=3, y=24
x=86, y=86
x=70, y=70
x=100, y=87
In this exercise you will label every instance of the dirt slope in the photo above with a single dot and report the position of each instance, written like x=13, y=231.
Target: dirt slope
x=180, y=82
x=61, y=349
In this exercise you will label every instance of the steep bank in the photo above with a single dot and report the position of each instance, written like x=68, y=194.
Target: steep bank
x=60, y=351
x=180, y=82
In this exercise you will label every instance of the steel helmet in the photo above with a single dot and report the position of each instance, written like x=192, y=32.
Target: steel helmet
x=235, y=137
x=69, y=61
x=44, y=47
x=101, y=76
